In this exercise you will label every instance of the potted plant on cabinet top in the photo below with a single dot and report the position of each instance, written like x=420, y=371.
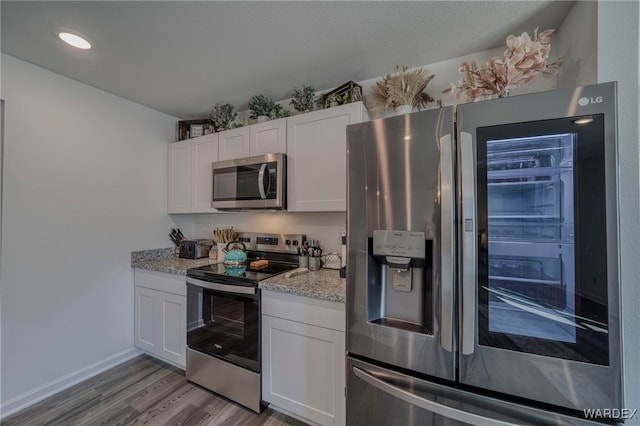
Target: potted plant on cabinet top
x=403, y=90
x=333, y=100
x=303, y=99
x=262, y=108
x=222, y=116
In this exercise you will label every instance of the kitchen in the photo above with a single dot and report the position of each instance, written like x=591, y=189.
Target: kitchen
x=73, y=212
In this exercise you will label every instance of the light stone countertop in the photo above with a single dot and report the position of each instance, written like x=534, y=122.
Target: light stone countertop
x=164, y=260
x=324, y=284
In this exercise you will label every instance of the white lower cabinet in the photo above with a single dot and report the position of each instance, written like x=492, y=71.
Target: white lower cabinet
x=160, y=315
x=303, y=357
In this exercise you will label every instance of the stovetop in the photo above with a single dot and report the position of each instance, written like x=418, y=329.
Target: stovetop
x=241, y=276
x=279, y=249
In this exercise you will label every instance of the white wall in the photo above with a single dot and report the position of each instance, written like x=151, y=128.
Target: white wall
x=619, y=60
x=84, y=185
x=576, y=44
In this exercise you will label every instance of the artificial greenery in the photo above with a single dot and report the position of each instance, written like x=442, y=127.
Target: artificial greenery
x=303, y=99
x=262, y=105
x=222, y=115
x=282, y=113
x=334, y=97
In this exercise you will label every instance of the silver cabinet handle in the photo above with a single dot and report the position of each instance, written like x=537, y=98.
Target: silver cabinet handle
x=261, y=188
x=431, y=406
x=469, y=242
x=447, y=239
x=234, y=289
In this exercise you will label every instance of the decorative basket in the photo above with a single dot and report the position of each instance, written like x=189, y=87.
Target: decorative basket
x=348, y=87
x=184, y=127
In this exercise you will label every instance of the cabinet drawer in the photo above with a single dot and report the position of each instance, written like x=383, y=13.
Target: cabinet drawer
x=316, y=312
x=160, y=281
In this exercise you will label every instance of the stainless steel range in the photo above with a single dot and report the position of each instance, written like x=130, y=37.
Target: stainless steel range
x=223, y=317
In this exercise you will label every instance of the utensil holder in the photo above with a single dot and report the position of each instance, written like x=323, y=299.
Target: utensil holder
x=221, y=252
x=303, y=261
x=314, y=263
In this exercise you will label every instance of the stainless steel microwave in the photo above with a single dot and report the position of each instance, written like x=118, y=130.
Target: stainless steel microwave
x=250, y=183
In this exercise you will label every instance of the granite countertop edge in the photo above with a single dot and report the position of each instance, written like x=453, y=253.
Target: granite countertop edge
x=164, y=260
x=324, y=284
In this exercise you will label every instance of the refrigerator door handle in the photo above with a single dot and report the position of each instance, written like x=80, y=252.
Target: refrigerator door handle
x=431, y=406
x=469, y=243
x=447, y=239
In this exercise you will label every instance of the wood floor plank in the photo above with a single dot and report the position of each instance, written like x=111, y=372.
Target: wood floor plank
x=49, y=408
x=112, y=401
x=142, y=391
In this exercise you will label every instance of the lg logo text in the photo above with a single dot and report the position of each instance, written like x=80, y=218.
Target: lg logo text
x=586, y=101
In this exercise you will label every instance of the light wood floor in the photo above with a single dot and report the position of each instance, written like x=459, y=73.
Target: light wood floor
x=142, y=391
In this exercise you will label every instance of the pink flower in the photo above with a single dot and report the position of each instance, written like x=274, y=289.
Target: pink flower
x=523, y=60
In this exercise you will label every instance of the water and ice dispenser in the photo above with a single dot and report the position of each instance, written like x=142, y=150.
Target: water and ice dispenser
x=400, y=290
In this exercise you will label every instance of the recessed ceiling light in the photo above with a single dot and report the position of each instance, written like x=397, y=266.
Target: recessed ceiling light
x=74, y=40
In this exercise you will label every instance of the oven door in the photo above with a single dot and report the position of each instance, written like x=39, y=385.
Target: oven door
x=223, y=321
x=249, y=183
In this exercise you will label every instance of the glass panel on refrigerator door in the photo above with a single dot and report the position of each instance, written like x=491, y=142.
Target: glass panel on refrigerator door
x=542, y=282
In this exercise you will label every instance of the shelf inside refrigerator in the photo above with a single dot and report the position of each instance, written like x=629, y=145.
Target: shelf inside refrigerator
x=516, y=201
x=530, y=152
x=530, y=229
x=541, y=270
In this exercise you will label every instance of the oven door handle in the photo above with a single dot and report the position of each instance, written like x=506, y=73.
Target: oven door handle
x=226, y=288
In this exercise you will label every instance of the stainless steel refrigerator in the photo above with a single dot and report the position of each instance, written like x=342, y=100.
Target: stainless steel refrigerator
x=482, y=277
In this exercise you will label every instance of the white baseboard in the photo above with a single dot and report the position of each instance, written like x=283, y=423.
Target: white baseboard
x=41, y=392
x=295, y=416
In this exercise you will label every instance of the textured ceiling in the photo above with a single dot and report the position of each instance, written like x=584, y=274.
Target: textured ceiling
x=182, y=57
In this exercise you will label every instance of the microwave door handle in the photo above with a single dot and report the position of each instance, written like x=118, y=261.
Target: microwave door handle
x=261, y=186
x=469, y=243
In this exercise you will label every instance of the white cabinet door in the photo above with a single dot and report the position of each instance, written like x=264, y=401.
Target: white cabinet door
x=268, y=137
x=173, y=328
x=316, y=163
x=179, y=177
x=160, y=315
x=234, y=143
x=204, y=151
x=304, y=369
x=146, y=303
x=303, y=356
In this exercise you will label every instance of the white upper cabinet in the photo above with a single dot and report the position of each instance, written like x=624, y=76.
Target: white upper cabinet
x=256, y=139
x=189, y=182
x=268, y=137
x=204, y=151
x=179, y=184
x=234, y=143
x=317, y=158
